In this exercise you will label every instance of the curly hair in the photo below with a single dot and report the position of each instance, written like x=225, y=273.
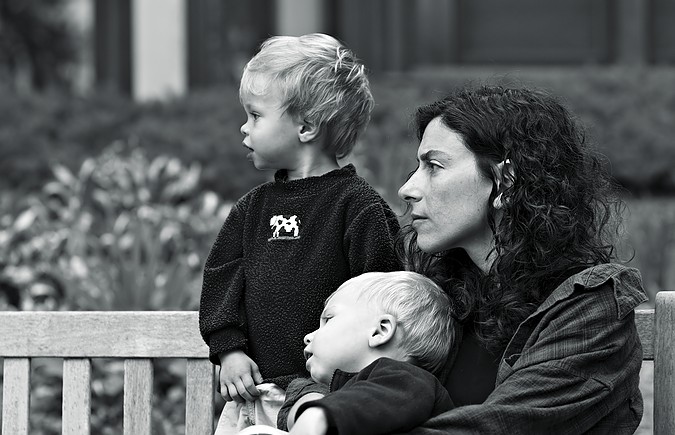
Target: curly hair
x=559, y=212
x=320, y=80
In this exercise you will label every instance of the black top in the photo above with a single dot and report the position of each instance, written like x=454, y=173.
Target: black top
x=285, y=246
x=472, y=376
x=387, y=397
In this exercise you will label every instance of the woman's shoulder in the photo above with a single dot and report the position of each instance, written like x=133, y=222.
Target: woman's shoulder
x=617, y=285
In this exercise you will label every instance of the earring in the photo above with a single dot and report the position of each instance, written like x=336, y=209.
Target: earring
x=497, y=203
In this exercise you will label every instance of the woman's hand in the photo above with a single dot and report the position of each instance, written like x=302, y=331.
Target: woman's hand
x=239, y=375
x=311, y=422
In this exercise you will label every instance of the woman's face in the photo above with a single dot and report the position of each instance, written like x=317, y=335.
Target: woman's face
x=448, y=195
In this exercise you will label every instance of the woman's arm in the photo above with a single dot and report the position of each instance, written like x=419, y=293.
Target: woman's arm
x=576, y=369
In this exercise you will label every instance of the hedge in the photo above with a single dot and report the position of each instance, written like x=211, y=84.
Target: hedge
x=628, y=113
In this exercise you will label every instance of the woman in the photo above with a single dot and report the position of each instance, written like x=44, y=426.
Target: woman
x=512, y=215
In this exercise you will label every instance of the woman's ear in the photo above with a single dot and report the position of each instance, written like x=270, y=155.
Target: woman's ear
x=384, y=331
x=307, y=132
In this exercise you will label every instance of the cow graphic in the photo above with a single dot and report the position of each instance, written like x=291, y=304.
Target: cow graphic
x=289, y=225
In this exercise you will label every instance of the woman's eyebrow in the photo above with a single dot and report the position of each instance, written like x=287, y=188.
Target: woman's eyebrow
x=432, y=154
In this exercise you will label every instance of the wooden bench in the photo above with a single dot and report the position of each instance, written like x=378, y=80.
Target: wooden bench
x=135, y=336
x=138, y=337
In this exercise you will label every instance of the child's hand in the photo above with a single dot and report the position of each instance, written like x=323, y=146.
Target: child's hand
x=311, y=422
x=239, y=375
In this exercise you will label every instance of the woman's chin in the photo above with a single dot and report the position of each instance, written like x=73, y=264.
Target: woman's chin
x=429, y=245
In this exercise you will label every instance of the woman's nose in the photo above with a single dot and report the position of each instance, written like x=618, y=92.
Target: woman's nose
x=409, y=192
x=243, y=129
x=308, y=338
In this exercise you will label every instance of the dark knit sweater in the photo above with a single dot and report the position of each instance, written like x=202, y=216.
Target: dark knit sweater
x=286, y=246
x=387, y=397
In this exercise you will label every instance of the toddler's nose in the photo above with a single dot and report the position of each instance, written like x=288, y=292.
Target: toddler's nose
x=308, y=338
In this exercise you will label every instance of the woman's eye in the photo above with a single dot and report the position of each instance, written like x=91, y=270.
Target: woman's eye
x=255, y=116
x=433, y=165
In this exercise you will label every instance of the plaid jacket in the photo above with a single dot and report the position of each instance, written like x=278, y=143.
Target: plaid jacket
x=572, y=367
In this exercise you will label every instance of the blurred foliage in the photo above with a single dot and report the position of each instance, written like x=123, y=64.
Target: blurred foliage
x=650, y=236
x=122, y=233
x=41, y=130
x=37, y=44
x=628, y=114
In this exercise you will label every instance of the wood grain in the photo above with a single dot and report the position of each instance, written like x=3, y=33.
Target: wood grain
x=15, y=396
x=138, y=378
x=76, y=404
x=199, y=400
x=89, y=334
x=644, y=320
x=664, y=364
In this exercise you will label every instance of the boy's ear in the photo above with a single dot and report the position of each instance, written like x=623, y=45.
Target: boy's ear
x=384, y=331
x=307, y=132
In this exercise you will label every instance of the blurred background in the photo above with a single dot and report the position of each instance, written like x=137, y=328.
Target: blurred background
x=120, y=150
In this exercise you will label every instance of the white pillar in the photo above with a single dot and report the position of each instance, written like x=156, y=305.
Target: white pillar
x=299, y=17
x=159, y=49
x=81, y=15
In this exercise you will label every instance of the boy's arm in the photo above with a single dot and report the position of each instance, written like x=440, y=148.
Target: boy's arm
x=298, y=392
x=221, y=318
x=387, y=397
x=370, y=240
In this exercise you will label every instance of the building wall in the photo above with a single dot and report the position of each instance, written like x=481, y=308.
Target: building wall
x=393, y=35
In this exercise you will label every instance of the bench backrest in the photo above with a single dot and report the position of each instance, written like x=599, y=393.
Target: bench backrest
x=139, y=336
x=136, y=336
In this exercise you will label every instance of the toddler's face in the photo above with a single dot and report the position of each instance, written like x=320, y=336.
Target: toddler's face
x=270, y=134
x=341, y=342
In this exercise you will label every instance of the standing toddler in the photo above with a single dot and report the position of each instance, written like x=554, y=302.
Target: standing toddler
x=288, y=244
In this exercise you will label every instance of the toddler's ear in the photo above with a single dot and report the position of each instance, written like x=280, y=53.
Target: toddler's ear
x=307, y=132
x=384, y=331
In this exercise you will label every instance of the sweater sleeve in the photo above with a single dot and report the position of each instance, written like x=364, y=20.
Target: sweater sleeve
x=369, y=240
x=221, y=315
x=386, y=397
x=581, y=375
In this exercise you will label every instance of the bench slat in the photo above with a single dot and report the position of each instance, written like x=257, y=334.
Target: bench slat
x=199, y=400
x=664, y=364
x=90, y=334
x=76, y=404
x=138, y=377
x=644, y=320
x=15, y=396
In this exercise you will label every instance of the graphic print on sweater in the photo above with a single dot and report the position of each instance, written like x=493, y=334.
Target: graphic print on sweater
x=284, y=228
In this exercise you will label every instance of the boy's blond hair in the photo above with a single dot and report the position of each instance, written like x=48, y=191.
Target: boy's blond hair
x=422, y=310
x=320, y=82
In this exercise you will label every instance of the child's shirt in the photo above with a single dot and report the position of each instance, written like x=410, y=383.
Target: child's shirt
x=284, y=248
x=386, y=397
